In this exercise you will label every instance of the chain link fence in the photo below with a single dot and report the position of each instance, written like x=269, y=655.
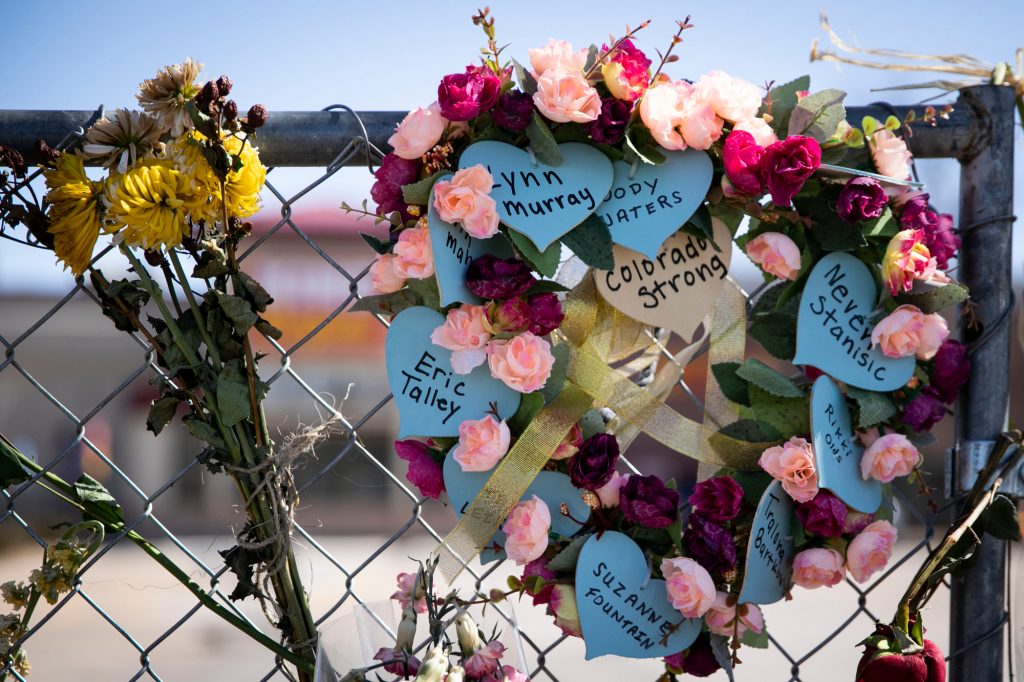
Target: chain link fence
x=154, y=506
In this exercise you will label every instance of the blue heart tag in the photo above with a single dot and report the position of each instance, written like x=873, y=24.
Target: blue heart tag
x=837, y=450
x=453, y=251
x=769, y=564
x=432, y=400
x=642, y=211
x=622, y=611
x=543, y=202
x=833, y=332
x=553, y=487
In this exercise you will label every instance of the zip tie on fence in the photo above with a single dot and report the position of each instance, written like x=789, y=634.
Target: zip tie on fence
x=990, y=330
x=986, y=222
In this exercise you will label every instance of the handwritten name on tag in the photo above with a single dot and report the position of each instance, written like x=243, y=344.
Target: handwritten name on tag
x=770, y=550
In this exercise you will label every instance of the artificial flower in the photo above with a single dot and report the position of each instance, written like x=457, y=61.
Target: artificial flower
x=75, y=211
x=495, y=278
x=741, y=157
x=698, y=660
x=818, y=567
x=787, y=165
x=793, y=464
x=924, y=411
x=647, y=501
x=626, y=72
x=390, y=176
x=610, y=125
x=466, y=199
x=593, y=465
x=759, y=128
x=545, y=313
x=413, y=257
x=733, y=99
x=384, y=278
x=823, y=515
x=732, y=619
x=418, y=132
x=462, y=96
x=718, y=498
x=776, y=254
x=526, y=530
x=570, y=444
x=166, y=95
x=861, y=199
x=566, y=96
x=465, y=332
x=689, y=587
x=710, y=544
x=609, y=494
x=906, y=332
x=513, y=111
x=870, y=550
x=523, y=363
x=906, y=259
x=678, y=118
x=951, y=367
x=890, y=456
x=482, y=443
x=890, y=154
x=556, y=55
x=424, y=469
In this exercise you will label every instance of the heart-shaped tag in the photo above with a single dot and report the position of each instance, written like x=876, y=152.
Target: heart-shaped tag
x=553, y=487
x=432, y=400
x=643, y=210
x=543, y=202
x=837, y=450
x=674, y=290
x=453, y=251
x=622, y=611
x=833, y=332
x=769, y=564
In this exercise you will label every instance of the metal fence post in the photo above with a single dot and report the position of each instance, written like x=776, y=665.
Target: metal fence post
x=986, y=208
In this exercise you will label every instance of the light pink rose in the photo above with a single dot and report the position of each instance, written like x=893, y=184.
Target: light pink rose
x=759, y=129
x=409, y=592
x=818, y=567
x=776, y=253
x=888, y=457
x=565, y=96
x=523, y=363
x=413, y=257
x=721, y=618
x=557, y=54
x=890, y=154
x=934, y=332
x=793, y=464
x=526, y=530
x=609, y=492
x=418, y=132
x=384, y=278
x=734, y=99
x=689, y=586
x=465, y=332
x=869, y=552
x=482, y=443
x=906, y=331
x=678, y=118
x=465, y=199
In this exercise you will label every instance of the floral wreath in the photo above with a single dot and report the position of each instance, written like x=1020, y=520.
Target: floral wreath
x=775, y=155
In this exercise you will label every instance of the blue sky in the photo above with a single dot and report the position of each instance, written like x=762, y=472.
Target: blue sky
x=389, y=55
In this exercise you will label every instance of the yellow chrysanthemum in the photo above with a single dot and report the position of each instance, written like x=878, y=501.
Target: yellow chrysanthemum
x=243, y=187
x=75, y=211
x=149, y=204
x=188, y=158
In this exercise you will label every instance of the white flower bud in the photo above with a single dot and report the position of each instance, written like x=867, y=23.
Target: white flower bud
x=468, y=634
x=456, y=674
x=434, y=666
x=406, y=629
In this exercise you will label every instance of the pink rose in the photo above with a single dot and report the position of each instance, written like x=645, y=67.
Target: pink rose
x=818, y=567
x=557, y=55
x=741, y=158
x=890, y=154
x=565, y=96
x=793, y=464
x=413, y=257
x=869, y=552
x=678, y=118
x=465, y=332
x=526, y=530
x=759, y=128
x=787, y=165
x=906, y=331
x=733, y=99
x=608, y=494
x=409, y=592
x=523, y=363
x=907, y=259
x=776, y=253
x=722, y=617
x=888, y=457
x=511, y=674
x=466, y=199
x=627, y=73
x=418, y=132
x=482, y=443
x=690, y=588
x=384, y=278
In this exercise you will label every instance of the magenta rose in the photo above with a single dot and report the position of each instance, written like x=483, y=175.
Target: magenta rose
x=824, y=515
x=710, y=544
x=513, y=111
x=924, y=411
x=861, y=199
x=718, y=498
x=610, y=126
x=699, y=660
x=538, y=568
x=424, y=469
x=647, y=501
x=510, y=315
x=787, y=165
x=495, y=278
x=545, y=313
x=386, y=192
x=742, y=157
x=939, y=236
x=593, y=465
x=462, y=96
x=951, y=368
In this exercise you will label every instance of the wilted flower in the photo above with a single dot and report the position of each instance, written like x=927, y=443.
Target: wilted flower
x=122, y=140
x=75, y=211
x=166, y=95
x=397, y=662
x=15, y=594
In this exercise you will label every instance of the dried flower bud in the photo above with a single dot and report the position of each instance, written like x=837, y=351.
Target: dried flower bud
x=13, y=159
x=257, y=115
x=209, y=92
x=47, y=154
x=154, y=257
x=224, y=86
x=230, y=110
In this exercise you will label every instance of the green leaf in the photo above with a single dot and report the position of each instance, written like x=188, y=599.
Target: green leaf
x=903, y=643
x=161, y=412
x=796, y=528
x=233, y=398
x=886, y=508
x=591, y=423
x=754, y=483
x=12, y=471
x=789, y=416
x=733, y=387
x=527, y=83
x=254, y=291
x=755, y=640
x=556, y=381
x=783, y=98
x=545, y=262
x=837, y=236
x=238, y=310
x=210, y=264
x=419, y=192
x=427, y=291
x=776, y=332
x=565, y=561
x=542, y=142
x=386, y=304
x=1001, y=519
x=203, y=431
x=700, y=225
x=379, y=245
x=529, y=405
x=760, y=374
x=640, y=145
x=884, y=226
x=932, y=299
x=592, y=242
x=546, y=286
x=872, y=408
x=750, y=431
x=97, y=500
x=818, y=115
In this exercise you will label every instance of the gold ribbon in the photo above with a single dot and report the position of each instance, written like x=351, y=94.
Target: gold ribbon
x=600, y=337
